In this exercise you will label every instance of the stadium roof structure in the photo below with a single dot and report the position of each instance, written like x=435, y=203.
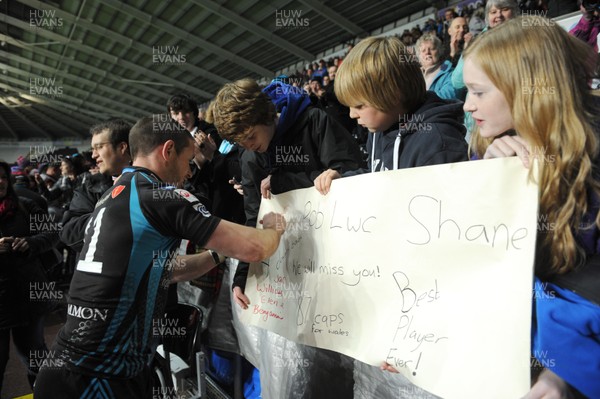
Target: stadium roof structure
x=65, y=65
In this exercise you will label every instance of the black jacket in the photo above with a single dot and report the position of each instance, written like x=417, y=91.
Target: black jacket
x=18, y=303
x=433, y=135
x=315, y=143
x=80, y=209
x=211, y=186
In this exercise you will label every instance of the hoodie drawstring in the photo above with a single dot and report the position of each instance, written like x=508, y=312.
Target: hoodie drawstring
x=397, y=151
x=373, y=154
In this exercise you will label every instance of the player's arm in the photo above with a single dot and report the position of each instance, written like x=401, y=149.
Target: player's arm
x=189, y=267
x=246, y=243
x=235, y=241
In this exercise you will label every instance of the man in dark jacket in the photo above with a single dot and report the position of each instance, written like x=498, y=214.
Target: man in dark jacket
x=216, y=161
x=110, y=150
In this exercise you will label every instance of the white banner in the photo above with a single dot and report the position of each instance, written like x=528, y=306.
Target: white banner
x=429, y=269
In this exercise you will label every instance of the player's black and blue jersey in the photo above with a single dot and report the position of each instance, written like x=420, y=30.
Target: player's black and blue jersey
x=121, y=279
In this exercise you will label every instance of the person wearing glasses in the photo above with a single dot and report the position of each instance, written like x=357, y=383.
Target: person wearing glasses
x=110, y=150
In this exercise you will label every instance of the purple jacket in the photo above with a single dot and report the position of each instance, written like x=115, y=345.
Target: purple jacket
x=587, y=30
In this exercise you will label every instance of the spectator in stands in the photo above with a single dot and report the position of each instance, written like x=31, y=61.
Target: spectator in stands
x=184, y=110
x=437, y=137
x=21, y=273
x=496, y=13
x=326, y=81
x=350, y=47
x=110, y=150
x=321, y=70
x=406, y=38
x=588, y=27
x=73, y=174
x=449, y=15
x=477, y=22
x=332, y=70
x=533, y=7
x=538, y=110
x=338, y=111
x=444, y=25
x=216, y=162
x=47, y=179
x=499, y=11
x=416, y=33
x=437, y=73
x=309, y=73
x=315, y=87
x=454, y=46
x=22, y=188
x=306, y=87
x=53, y=171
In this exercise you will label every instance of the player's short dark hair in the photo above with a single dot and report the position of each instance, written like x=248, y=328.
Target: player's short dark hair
x=152, y=131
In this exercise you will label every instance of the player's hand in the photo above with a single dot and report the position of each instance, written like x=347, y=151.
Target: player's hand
x=508, y=146
x=240, y=298
x=274, y=221
x=265, y=187
x=323, y=181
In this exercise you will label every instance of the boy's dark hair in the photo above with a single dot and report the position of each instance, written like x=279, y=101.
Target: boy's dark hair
x=118, y=130
x=182, y=102
x=152, y=131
